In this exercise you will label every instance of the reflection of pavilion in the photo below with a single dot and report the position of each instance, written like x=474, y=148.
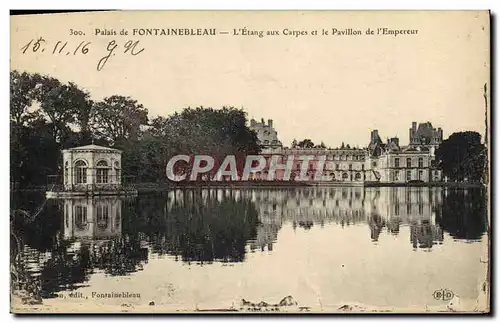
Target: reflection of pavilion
x=92, y=218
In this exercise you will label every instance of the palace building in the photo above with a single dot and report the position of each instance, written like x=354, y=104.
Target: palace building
x=379, y=162
x=391, y=163
x=266, y=134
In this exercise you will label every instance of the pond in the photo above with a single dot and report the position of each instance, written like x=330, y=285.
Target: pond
x=205, y=249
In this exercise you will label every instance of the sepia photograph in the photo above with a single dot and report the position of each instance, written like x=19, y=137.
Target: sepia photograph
x=238, y=162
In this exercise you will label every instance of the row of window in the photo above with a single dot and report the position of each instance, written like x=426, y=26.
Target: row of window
x=274, y=142
x=420, y=175
x=408, y=162
x=102, y=176
x=298, y=167
x=345, y=157
x=102, y=216
x=342, y=157
x=102, y=172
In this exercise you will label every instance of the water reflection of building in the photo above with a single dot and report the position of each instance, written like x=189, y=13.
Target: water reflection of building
x=381, y=208
x=424, y=234
x=92, y=218
x=305, y=205
x=403, y=203
x=412, y=206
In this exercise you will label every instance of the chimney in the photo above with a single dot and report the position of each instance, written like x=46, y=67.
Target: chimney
x=374, y=136
x=413, y=129
x=270, y=122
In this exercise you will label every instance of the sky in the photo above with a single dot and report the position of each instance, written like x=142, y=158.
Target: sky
x=329, y=88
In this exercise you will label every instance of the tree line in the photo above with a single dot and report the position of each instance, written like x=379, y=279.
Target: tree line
x=47, y=115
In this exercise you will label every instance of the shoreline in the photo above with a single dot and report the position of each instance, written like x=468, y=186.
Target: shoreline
x=144, y=188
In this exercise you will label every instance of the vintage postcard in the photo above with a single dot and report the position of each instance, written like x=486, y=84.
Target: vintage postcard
x=250, y=161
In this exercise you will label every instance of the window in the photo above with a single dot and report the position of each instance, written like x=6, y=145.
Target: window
x=420, y=174
x=408, y=175
x=420, y=162
x=118, y=216
x=102, y=216
x=362, y=166
x=337, y=166
x=350, y=166
x=332, y=175
x=81, y=172
x=408, y=162
x=102, y=172
x=358, y=176
x=395, y=176
x=81, y=216
x=345, y=176
x=396, y=162
x=374, y=164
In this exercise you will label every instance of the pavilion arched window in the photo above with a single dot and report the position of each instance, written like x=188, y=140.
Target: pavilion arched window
x=102, y=172
x=81, y=172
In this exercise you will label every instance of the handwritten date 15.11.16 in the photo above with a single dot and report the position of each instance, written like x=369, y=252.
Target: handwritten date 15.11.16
x=40, y=45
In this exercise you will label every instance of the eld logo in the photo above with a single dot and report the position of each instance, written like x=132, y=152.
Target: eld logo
x=443, y=294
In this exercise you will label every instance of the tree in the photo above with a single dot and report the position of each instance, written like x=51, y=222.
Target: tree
x=294, y=143
x=463, y=213
x=23, y=91
x=321, y=145
x=117, y=118
x=306, y=143
x=65, y=106
x=45, y=116
x=462, y=156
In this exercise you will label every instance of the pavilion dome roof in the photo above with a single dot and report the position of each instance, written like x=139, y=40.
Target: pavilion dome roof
x=92, y=147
